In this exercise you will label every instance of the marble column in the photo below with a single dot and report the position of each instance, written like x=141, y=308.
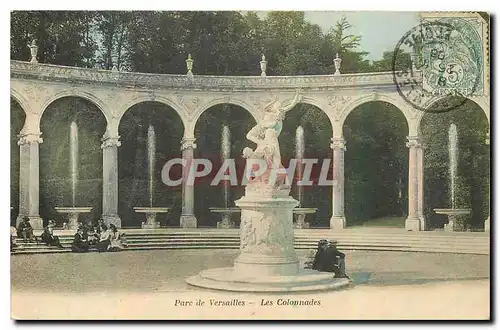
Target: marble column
x=110, y=180
x=188, y=220
x=337, y=221
x=420, y=182
x=414, y=221
x=29, y=179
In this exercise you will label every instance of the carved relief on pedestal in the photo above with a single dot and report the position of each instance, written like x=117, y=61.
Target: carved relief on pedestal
x=265, y=232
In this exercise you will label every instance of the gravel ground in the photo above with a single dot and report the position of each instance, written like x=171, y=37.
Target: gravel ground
x=165, y=270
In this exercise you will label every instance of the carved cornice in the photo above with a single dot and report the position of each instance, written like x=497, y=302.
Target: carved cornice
x=29, y=138
x=188, y=143
x=26, y=70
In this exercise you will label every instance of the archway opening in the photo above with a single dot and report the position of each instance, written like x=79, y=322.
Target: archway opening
x=62, y=184
x=148, y=130
x=472, y=178
x=317, y=132
x=209, y=133
x=376, y=166
x=17, y=119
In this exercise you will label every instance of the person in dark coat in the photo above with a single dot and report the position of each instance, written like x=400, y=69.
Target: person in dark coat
x=329, y=259
x=104, y=238
x=80, y=244
x=25, y=230
x=339, y=258
x=48, y=236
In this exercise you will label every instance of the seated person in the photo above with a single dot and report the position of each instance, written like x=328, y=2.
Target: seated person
x=25, y=230
x=104, y=238
x=339, y=257
x=100, y=225
x=80, y=244
x=116, y=239
x=48, y=237
x=329, y=259
x=92, y=235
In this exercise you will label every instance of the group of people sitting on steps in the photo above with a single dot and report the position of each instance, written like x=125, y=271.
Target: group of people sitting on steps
x=103, y=237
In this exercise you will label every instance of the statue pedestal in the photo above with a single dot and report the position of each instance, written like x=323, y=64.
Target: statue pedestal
x=267, y=262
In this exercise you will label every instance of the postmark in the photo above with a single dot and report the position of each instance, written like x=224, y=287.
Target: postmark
x=447, y=65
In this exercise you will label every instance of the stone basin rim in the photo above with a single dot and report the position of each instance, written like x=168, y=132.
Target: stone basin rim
x=305, y=210
x=73, y=209
x=147, y=209
x=225, y=209
x=452, y=211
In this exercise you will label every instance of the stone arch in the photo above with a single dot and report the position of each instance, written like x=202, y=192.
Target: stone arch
x=374, y=97
x=320, y=106
x=76, y=93
x=21, y=100
x=421, y=114
x=221, y=100
x=152, y=98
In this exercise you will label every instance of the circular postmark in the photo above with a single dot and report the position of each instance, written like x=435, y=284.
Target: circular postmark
x=446, y=65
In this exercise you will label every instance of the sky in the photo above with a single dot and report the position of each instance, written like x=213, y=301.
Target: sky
x=380, y=31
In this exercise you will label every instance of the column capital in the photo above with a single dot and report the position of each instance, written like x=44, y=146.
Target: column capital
x=415, y=142
x=29, y=138
x=110, y=141
x=338, y=143
x=188, y=143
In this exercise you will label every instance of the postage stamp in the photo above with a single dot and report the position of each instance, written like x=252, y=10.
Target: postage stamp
x=447, y=56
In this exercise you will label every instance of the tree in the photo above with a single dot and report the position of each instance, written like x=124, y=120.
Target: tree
x=62, y=36
x=113, y=28
x=345, y=45
x=391, y=61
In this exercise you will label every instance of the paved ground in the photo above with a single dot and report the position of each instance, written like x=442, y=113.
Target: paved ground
x=150, y=285
x=165, y=270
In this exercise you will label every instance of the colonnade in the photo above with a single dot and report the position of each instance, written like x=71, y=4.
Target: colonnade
x=29, y=181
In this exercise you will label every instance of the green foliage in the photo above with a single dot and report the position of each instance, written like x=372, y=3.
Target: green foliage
x=221, y=43
x=63, y=37
x=391, y=61
x=376, y=162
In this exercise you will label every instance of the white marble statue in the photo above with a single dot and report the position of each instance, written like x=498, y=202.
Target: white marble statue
x=265, y=134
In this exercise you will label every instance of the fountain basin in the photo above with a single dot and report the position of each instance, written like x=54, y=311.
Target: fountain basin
x=452, y=214
x=151, y=215
x=226, y=213
x=300, y=216
x=73, y=214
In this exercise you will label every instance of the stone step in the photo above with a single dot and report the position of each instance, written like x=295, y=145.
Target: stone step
x=437, y=244
x=229, y=239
